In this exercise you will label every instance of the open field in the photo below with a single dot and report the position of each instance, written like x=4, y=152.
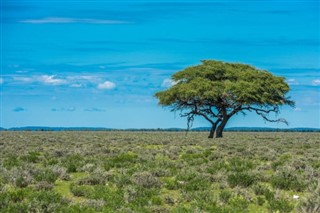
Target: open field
x=159, y=172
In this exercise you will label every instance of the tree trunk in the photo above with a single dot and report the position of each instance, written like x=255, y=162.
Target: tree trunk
x=212, y=130
x=221, y=127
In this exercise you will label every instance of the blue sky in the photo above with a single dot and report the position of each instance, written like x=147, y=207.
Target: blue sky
x=98, y=63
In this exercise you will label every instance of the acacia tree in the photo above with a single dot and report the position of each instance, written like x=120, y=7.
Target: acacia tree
x=218, y=90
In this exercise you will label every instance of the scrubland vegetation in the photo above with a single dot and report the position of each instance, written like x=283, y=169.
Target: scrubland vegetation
x=159, y=172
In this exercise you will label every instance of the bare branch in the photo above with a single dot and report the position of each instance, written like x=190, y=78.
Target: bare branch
x=264, y=112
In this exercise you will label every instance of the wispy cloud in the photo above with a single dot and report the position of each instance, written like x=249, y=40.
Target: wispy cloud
x=168, y=83
x=67, y=109
x=297, y=109
x=19, y=109
x=316, y=82
x=64, y=20
x=292, y=81
x=1, y=81
x=89, y=78
x=44, y=79
x=51, y=80
x=77, y=85
x=107, y=85
x=94, y=109
x=76, y=81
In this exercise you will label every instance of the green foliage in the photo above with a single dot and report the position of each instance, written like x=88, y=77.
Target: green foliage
x=239, y=203
x=225, y=196
x=159, y=172
x=121, y=160
x=260, y=201
x=81, y=191
x=239, y=165
x=32, y=157
x=46, y=175
x=287, y=180
x=212, y=80
x=243, y=179
x=218, y=90
x=11, y=161
x=145, y=179
x=280, y=205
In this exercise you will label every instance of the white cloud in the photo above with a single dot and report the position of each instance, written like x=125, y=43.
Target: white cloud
x=297, y=109
x=51, y=80
x=24, y=79
x=107, y=85
x=63, y=20
x=94, y=109
x=77, y=85
x=292, y=81
x=316, y=82
x=45, y=79
x=75, y=81
x=63, y=109
x=1, y=81
x=168, y=83
x=89, y=78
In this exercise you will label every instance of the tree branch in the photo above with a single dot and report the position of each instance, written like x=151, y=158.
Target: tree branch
x=264, y=112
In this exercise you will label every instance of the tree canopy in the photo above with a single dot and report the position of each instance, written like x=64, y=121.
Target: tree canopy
x=218, y=90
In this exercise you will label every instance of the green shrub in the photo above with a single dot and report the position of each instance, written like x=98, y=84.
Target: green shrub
x=81, y=191
x=95, y=204
x=259, y=189
x=113, y=197
x=122, y=160
x=61, y=172
x=280, y=205
x=10, y=161
x=239, y=203
x=19, y=177
x=287, y=180
x=224, y=196
x=43, y=185
x=130, y=193
x=32, y=157
x=260, y=201
x=216, y=166
x=240, y=165
x=240, y=179
x=197, y=183
x=46, y=175
x=45, y=201
x=145, y=179
x=94, y=179
x=71, y=167
x=73, y=162
x=269, y=195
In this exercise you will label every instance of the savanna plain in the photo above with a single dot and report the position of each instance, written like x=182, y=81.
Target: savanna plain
x=159, y=172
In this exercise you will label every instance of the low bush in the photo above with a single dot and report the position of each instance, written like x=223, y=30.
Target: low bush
x=31, y=157
x=287, y=180
x=145, y=179
x=97, y=205
x=239, y=203
x=11, y=160
x=224, y=196
x=43, y=185
x=80, y=191
x=46, y=175
x=280, y=205
x=240, y=179
x=94, y=179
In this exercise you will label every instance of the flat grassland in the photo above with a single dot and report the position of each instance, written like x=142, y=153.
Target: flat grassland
x=159, y=172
